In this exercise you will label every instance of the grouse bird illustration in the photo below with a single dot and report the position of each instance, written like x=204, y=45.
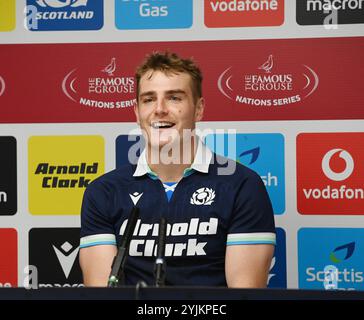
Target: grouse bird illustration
x=109, y=69
x=268, y=65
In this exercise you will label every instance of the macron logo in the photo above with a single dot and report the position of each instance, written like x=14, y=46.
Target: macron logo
x=66, y=260
x=135, y=197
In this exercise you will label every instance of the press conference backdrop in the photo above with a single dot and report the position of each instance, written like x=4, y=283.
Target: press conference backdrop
x=282, y=80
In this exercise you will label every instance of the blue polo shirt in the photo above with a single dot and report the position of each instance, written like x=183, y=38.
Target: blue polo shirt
x=206, y=211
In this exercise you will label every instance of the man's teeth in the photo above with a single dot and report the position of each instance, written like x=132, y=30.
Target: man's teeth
x=158, y=125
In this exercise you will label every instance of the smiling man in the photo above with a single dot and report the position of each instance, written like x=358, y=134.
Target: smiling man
x=220, y=229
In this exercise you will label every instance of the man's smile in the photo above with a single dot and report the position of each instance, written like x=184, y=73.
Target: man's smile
x=162, y=124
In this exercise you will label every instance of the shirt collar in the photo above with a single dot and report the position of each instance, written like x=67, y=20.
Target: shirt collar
x=200, y=163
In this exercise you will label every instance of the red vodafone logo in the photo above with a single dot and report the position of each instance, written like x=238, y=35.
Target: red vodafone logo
x=8, y=258
x=243, y=13
x=330, y=173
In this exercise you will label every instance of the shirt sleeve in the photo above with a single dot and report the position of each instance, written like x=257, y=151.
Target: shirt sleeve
x=96, y=225
x=252, y=221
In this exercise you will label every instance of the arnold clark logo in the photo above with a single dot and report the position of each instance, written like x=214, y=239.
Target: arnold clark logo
x=331, y=258
x=53, y=15
x=60, y=168
x=153, y=14
x=106, y=87
x=331, y=181
x=263, y=153
x=268, y=83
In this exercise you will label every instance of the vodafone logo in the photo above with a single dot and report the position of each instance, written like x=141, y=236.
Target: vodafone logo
x=338, y=176
x=243, y=13
x=330, y=174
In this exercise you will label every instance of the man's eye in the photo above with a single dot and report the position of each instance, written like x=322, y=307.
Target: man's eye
x=147, y=100
x=175, y=98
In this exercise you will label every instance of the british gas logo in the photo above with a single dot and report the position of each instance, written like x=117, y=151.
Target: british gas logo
x=52, y=15
x=329, y=180
x=241, y=13
x=60, y=168
x=7, y=16
x=151, y=14
x=264, y=153
x=334, y=264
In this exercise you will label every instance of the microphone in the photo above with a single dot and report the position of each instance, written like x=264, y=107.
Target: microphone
x=160, y=265
x=118, y=263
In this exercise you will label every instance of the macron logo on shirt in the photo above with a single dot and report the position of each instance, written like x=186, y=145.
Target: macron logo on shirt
x=135, y=197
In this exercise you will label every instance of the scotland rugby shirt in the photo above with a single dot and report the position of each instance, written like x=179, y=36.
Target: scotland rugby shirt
x=206, y=212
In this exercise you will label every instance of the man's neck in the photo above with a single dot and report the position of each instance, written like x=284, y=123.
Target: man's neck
x=170, y=168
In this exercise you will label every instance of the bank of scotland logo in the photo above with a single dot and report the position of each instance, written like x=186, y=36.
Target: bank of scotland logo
x=264, y=153
x=203, y=196
x=323, y=249
x=60, y=15
x=61, y=4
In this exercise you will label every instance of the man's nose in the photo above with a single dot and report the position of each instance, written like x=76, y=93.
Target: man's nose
x=161, y=107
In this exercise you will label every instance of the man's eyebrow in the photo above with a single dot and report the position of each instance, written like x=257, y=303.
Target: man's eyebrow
x=147, y=93
x=151, y=93
x=176, y=91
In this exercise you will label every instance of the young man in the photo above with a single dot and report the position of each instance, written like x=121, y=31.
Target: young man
x=220, y=226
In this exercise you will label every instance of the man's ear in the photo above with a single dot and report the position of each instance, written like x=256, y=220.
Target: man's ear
x=200, y=107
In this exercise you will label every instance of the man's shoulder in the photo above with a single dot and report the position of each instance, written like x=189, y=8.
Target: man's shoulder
x=226, y=167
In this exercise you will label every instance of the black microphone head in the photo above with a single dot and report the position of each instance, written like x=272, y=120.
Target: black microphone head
x=132, y=220
x=162, y=231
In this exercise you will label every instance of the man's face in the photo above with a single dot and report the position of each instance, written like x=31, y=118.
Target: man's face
x=166, y=107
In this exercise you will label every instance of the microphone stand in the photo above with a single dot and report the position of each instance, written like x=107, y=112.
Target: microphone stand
x=160, y=264
x=117, y=268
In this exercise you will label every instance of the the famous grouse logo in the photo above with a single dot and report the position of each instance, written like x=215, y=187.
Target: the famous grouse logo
x=268, y=83
x=102, y=87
